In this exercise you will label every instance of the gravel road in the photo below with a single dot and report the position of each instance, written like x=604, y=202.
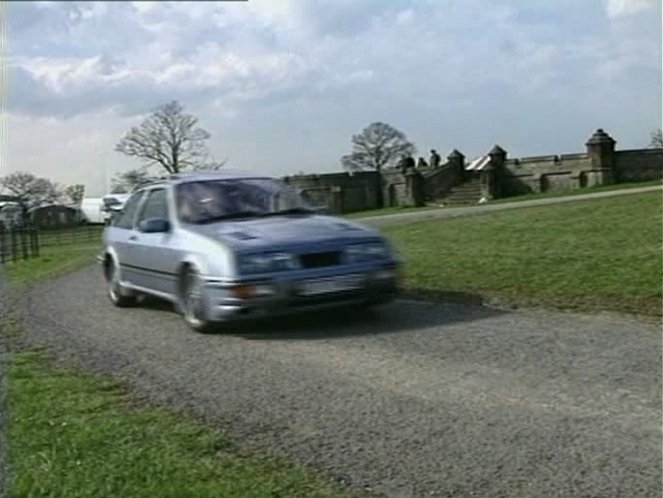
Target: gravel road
x=420, y=399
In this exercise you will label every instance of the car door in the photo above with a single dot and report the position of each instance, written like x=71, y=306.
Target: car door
x=156, y=256
x=121, y=237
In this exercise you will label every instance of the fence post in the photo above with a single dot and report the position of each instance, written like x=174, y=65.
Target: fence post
x=31, y=241
x=24, y=243
x=3, y=246
x=35, y=238
x=14, y=251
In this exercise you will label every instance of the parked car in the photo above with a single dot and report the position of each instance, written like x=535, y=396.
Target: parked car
x=230, y=245
x=111, y=205
x=98, y=210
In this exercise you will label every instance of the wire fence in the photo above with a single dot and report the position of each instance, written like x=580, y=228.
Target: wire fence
x=27, y=242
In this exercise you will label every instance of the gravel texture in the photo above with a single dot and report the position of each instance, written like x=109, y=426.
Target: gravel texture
x=420, y=399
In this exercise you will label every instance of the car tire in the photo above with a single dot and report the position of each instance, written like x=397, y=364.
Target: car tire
x=193, y=303
x=117, y=294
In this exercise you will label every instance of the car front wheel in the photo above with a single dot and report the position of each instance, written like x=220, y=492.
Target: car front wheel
x=193, y=303
x=117, y=294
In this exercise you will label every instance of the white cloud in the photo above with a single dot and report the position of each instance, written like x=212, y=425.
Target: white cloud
x=624, y=8
x=272, y=72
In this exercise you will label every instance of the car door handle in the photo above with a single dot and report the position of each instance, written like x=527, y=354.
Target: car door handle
x=133, y=237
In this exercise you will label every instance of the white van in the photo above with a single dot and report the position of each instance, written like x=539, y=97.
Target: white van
x=91, y=207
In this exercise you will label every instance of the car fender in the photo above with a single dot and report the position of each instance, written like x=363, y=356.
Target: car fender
x=110, y=251
x=197, y=262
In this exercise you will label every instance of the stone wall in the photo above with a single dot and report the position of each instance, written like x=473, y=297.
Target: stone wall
x=543, y=173
x=600, y=164
x=339, y=192
x=638, y=165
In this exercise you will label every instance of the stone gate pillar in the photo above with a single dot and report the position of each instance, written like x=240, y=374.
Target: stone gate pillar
x=457, y=163
x=414, y=188
x=601, y=152
x=491, y=176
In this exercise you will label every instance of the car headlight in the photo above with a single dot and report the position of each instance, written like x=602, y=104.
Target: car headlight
x=367, y=252
x=268, y=262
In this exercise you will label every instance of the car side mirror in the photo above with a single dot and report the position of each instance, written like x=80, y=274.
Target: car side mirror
x=154, y=225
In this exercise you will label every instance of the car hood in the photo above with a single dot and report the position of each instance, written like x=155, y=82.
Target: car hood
x=283, y=231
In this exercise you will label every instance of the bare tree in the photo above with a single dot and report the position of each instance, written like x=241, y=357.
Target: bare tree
x=48, y=192
x=377, y=147
x=30, y=189
x=76, y=193
x=169, y=138
x=126, y=181
x=656, y=141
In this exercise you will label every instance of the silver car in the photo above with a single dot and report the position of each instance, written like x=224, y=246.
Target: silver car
x=229, y=245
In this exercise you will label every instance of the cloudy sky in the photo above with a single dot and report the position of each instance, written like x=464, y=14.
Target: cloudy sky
x=282, y=85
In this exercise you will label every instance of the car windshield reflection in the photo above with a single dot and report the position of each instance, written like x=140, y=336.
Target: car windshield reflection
x=215, y=200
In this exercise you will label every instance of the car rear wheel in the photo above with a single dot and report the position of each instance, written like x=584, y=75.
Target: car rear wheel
x=193, y=303
x=118, y=294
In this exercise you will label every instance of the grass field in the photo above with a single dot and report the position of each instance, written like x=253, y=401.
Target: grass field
x=602, y=254
x=52, y=261
x=516, y=198
x=77, y=435
x=576, y=191
x=74, y=434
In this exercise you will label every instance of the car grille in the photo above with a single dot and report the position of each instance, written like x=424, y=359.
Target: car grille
x=320, y=259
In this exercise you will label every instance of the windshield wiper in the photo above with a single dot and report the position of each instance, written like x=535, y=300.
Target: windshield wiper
x=231, y=216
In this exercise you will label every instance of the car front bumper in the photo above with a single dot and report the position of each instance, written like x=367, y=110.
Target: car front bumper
x=236, y=300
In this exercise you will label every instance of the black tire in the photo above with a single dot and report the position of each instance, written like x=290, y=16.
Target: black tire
x=119, y=296
x=193, y=304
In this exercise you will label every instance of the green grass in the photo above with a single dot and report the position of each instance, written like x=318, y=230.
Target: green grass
x=388, y=210
x=76, y=435
x=602, y=254
x=515, y=198
x=53, y=261
x=576, y=191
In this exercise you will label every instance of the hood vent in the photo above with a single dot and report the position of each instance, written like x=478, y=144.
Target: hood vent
x=240, y=235
x=320, y=259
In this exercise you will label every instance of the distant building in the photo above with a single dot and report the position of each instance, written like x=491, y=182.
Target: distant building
x=11, y=214
x=53, y=216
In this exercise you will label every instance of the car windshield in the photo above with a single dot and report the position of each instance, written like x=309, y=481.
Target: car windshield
x=213, y=200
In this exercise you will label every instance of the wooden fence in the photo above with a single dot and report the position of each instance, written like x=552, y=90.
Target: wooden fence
x=18, y=243
x=24, y=243
x=86, y=233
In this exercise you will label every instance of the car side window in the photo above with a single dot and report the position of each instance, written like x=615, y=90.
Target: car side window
x=156, y=206
x=126, y=218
